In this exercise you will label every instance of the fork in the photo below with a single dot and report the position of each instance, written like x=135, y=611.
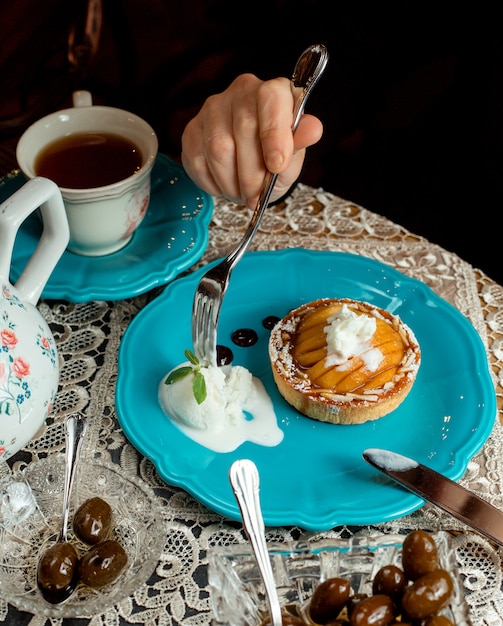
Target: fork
x=212, y=286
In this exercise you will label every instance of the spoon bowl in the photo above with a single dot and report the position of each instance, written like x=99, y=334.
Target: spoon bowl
x=57, y=570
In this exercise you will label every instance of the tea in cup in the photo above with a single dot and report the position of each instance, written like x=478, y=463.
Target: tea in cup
x=101, y=158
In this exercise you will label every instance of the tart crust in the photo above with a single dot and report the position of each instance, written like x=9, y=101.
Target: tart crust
x=352, y=392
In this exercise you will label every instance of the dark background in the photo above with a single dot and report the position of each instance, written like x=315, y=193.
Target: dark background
x=411, y=99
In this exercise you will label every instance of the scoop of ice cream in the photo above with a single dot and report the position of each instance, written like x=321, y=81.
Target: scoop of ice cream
x=237, y=408
x=228, y=390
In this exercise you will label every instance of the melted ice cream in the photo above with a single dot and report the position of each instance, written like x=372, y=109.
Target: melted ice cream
x=237, y=408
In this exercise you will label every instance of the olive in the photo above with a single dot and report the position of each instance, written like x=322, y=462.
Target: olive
x=428, y=594
x=353, y=601
x=375, y=610
x=391, y=581
x=93, y=520
x=419, y=554
x=57, y=566
x=102, y=563
x=328, y=599
x=292, y=620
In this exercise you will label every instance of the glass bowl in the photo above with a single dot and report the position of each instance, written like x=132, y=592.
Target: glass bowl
x=30, y=519
x=237, y=594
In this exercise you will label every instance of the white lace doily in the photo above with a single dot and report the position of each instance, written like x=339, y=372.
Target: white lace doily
x=88, y=337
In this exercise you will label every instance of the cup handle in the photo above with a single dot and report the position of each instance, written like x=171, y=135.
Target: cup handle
x=36, y=193
x=82, y=98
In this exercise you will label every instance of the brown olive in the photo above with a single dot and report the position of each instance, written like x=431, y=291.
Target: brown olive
x=292, y=620
x=102, y=563
x=328, y=599
x=373, y=611
x=57, y=566
x=428, y=594
x=93, y=520
x=353, y=601
x=391, y=581
x=419, y=554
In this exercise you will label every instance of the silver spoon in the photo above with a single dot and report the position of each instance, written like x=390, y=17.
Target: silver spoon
x=57, y=571
x=245, y=482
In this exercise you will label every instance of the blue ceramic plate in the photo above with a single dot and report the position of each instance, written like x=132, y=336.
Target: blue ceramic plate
x=172, y=237
x=316, y=478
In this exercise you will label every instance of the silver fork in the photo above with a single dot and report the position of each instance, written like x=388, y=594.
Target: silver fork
x=212, y=287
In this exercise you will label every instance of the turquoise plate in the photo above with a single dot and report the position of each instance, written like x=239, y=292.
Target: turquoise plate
x=172, y=237
x=316, y=477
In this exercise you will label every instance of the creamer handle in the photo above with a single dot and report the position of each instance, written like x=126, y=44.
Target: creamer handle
x=36, y=193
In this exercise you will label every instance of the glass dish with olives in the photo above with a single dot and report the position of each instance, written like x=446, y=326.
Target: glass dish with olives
x=363, y=580
x=114, y=520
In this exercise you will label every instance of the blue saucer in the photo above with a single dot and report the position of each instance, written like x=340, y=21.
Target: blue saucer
x=172, y=237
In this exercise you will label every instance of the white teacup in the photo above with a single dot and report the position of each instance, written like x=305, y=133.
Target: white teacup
x=102, y=216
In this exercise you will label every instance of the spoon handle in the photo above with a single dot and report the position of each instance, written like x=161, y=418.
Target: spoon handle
x=75, y=428
x=244, y=479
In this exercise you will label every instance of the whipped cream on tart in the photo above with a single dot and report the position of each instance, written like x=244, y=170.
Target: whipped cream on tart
x=343, y=361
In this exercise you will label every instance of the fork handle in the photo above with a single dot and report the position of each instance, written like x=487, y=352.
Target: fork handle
x=308, y=69
x=256, y=218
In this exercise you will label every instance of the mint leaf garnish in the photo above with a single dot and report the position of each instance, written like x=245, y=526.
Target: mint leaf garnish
x=190, y=356
x=199, y=384
x=178, y=374
x=199, y=388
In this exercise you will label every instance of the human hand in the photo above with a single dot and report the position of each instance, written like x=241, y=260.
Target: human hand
x=242, y=132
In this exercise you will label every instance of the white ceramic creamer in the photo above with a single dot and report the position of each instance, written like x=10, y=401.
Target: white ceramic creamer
x=29, y=368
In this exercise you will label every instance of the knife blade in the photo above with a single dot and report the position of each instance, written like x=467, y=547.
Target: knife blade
x=441, y=491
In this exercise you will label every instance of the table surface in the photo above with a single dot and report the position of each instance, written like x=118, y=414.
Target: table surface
x=88, y=336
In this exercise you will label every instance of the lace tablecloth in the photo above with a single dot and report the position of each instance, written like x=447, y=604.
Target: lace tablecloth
x=88, y=337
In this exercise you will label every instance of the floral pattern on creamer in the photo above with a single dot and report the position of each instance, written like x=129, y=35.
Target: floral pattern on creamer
x=15, y=370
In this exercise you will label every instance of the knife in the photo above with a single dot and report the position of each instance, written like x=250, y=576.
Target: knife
x=440, y=491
